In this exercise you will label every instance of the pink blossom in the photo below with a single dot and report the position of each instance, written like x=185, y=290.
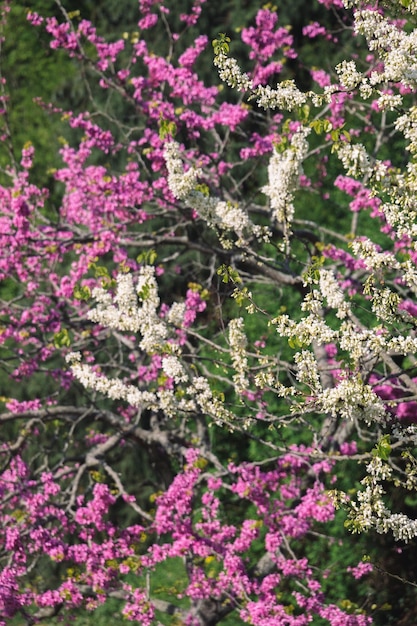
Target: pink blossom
x=362, y=569
x=148, y=21
x=314, y=29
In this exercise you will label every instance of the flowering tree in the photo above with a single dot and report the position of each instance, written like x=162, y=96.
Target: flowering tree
x=212, y=336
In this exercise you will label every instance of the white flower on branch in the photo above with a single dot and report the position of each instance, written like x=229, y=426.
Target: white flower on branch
x=397, y=48
x=132, y=309
x=373, y=258
x=352, y=399
x=183, y=185
x=176, y=314
x=114, y=389
x=231, y=74
x=180, y=182
x=362, y=344
x=238, y=342
x=355, y=159
x=369, y=510
x=286, y=94
x=308, y=370
x=348, y=75
x=173, y=368
x=309, y=329
x=330, y=289
x=283, y=178
x=407, y=125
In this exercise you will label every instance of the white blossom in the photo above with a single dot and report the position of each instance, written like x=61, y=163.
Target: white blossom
x=407, y=125
x=355, y=159
x=183, y=185
x=114, y=389
x=369, y=510
x=176, y=314
x=353, y=400
x=348, y=74
x=389, y=102
x=208, y=404
x=173, y=368
x=180, y=182
x=283, y=178
x=333, y=293
x=308, y=370
x=396, y=47
x=231, y=74
x=368, y=251
x=238, y=342
x=132, y=309
x=286, y=95
x=309, y=329
x=362, y=344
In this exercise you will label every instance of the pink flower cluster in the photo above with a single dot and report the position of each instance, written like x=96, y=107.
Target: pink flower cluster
x=265, y=39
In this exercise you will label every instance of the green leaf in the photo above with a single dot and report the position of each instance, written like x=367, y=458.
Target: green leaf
x=221, y=45
x=295, y=342
x=62, y=339
x=144, y=293
x=383, y=448
x=167, y=128
x=82, y=292
x=242, y=296
x=229, y=274
x=148, y=257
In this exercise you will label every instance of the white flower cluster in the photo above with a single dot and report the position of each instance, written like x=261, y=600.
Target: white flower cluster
x=223, y=215
x=385, y=304
x=397, y=48
x=172, y=367
x=286, y=95
x=124, y=315
x=352, y=399
x=385, y=301
x=308, y=371
x=363, y=345
x=309, y=329
x=410, y=275
x=135, y=310
x=132, y=309
x=348, y=75
x=231, y=217
x=389, y=101
x=231, y=74
x=331, y=290
x=349, y=399
x=410, y=6
x=407, y=434
x=198, y=396
x=407, y=124
x=238, y=342
x=369, y=510
x=114, y=389
x=402, y=345
x=355, y=159
x=181, y=183
x=209, y=404
x=175, y=315
x=284, y=170
x=373, y=259
x=401, y=211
